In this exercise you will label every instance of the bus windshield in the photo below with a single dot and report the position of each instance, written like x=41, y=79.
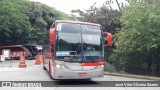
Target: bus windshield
x=78, y=42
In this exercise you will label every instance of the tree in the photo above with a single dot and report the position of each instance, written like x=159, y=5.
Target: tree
x=103, y=15
x=15, y=25
x=26, y=22
x=138, y=40
x=41, y=18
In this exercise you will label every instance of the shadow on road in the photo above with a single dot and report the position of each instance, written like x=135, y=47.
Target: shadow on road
x=73, y=83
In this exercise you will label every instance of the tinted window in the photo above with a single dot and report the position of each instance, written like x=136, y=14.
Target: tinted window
x=68, y=41
x=78, y=42
x=32, y=49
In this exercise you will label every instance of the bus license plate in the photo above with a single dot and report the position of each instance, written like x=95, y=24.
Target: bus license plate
x=82, y=74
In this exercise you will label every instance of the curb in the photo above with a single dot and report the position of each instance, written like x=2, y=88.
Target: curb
x=133, y=76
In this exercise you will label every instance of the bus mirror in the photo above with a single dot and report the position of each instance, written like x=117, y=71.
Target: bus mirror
x=52, y=35
x=108, y=39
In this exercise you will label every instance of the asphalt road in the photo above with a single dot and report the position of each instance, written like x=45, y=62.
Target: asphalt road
x=9, y=71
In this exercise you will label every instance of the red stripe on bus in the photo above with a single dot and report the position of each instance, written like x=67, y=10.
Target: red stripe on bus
x=94, y=63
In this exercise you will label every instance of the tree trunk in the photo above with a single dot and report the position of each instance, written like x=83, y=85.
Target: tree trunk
x=118, y=5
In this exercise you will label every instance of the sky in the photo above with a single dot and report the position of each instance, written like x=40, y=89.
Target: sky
x=67, y=5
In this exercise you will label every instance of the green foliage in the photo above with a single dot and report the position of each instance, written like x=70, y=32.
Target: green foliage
x=23, y=22
x=14, y=24
x=103, y=15
x=138, y=40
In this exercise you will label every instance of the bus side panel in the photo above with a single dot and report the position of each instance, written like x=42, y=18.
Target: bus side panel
x=15, y=51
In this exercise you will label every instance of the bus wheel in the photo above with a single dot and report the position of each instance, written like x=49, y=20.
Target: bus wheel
x=44, y=68
x=50, y=72
x=87, y=79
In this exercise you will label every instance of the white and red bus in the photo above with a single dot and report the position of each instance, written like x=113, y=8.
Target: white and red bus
x=15, y=51
x=75, y=50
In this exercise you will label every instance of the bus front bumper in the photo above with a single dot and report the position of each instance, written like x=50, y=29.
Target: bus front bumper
x=69, y=74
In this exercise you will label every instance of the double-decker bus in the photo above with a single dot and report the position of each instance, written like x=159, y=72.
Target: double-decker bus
x=75, y=50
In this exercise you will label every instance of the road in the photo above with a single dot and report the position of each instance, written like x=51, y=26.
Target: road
x=9, y=71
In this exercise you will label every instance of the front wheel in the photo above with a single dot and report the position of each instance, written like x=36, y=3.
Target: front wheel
x=50, y=71
x=44, y=68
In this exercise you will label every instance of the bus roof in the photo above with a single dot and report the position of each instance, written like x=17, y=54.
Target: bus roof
x=10, y=46
x=79, y=22
x=20, y=45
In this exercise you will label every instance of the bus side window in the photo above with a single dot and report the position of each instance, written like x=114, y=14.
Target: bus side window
x=39, y=52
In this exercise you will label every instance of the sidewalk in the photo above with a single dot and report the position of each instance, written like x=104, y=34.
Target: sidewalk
x=133, y=76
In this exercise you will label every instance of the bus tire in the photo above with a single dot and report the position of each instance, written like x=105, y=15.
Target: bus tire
x=87, y=79
x=44, y=68
x=50, y=72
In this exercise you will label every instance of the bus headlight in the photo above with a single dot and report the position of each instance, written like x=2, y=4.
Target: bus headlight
x=60, y=66
x=102, y=66
x=99, y=66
